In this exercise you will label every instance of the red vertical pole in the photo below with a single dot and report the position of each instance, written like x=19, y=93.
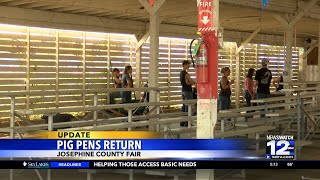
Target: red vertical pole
x=208, y=23
x=212, y=39
x=208, y=27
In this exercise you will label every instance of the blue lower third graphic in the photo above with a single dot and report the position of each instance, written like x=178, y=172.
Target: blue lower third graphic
x=69, y=165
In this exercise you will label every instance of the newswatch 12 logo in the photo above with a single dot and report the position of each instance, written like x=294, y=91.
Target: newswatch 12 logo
x=280, y=147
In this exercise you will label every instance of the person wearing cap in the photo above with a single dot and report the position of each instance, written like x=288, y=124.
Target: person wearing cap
x=186, y=83
x=263, y=79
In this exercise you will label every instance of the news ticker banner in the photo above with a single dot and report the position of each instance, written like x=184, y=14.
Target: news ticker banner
x=253, y=164
x=122, y=145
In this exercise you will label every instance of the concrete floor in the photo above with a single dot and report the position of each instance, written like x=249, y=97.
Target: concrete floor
x=308, y=153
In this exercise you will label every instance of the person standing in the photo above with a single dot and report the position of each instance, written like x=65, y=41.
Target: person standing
x=117, y=84
x=186, y=83
x=249, y=87
x=126, y=82
x=263, y=79
x=225, y=90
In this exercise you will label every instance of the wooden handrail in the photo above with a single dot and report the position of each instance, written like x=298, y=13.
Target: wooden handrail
x=70, y=92
x=103, y=107
x=300, y=83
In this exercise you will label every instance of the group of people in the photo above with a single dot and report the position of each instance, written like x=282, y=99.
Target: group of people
x=256, y=85
x=124, y=80
x=255, y=88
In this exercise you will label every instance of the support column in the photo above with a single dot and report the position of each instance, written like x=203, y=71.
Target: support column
x=153, y=63
x=287, y=75
x=318, y=78
x=237, y=81
x=208, y=93
x=154, y=51
x=318, y=53
x=138, y=78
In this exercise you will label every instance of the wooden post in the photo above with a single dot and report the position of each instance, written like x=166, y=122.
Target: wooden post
x=287, y=74
x=95, y=113
x=288, y=63
x=154, y=53
x=237, y=81
x=28, y=69
x=84, y=36
x=57, y=68
x=169, y=69
x=318, y=79
x=109, y=69
x=12, y=124
x=129, y=118
x=138, y=79
x=50, y=128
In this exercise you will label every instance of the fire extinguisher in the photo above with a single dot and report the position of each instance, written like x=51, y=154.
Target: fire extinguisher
x=199, y=57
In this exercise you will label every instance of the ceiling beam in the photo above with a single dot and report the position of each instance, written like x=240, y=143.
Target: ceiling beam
x=301, y=13
x=255, y=32
x=157, y=5
x=282, y=21
x=18, y=3
x=257, y=5
x=312, y=46
x=6, y=0
x=145, y=37
x=37, y=5
x=47, y=19
x=271, y=8
x=146, y=5
x=52, y=7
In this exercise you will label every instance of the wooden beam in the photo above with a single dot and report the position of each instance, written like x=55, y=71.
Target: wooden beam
x=52, y=7
x=271, y=8
x=142, y=40
x=48, y=19
x=287, y=74
x=36, y=5
x=4, y=1
x=138, y=77
x=145, y=4
x=301, y=13
x=318, y=78
x=255, y=32
x=145, y=37
x=153, y=79
x=313, y=45
x=237, y=82
x=18, y=3
x=157, y=5
x=282, y=21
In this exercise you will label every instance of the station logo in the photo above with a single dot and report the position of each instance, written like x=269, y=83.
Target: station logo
x=280, y=147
